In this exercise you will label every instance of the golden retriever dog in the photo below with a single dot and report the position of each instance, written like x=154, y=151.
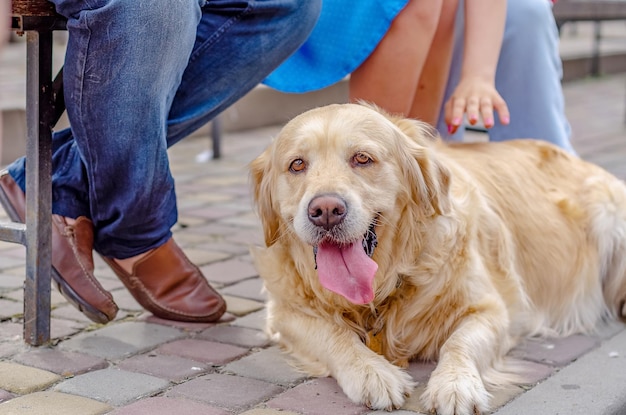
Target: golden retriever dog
x=383, y=244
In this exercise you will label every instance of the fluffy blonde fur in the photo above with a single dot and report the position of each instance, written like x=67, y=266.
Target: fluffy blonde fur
x=478, y=245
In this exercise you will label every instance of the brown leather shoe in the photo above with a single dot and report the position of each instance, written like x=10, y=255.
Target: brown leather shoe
x=72, y=257
x=168, y=285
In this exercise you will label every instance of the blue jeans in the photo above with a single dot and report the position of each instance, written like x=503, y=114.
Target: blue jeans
x=141, y=75
x=528, y=76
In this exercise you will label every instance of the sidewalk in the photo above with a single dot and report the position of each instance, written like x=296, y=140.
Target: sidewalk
x=142, y=365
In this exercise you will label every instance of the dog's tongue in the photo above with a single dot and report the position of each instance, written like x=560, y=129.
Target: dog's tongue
x=347, y=270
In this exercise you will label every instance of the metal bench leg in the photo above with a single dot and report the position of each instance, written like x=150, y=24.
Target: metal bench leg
x=39, y=113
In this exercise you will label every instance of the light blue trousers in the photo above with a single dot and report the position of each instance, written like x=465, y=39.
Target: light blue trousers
x=528, y=76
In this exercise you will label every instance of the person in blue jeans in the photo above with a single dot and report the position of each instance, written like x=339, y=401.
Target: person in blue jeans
x=139, y=77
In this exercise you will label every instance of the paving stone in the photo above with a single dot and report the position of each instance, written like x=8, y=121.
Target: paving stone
x=8, y=349
x=125, y=301
x=53, y=403
x=168, y=406
x=183, y=325
x=10, y=282
x=414, y=403
x=60, y=362
x=242, y=306
x=203, y=351
x=113, y=386
x=172, y=368
x=5, y=395
x=229, y=271
x=10, y=308
x=62, y=328
x=317, y=397
x=250, y=289
x=267, y=411
x=11, y=331
x=269, y=365
x=226, y=391
x=21, y=379
x=555, y=351
x=256, y=320
x=420, y=371
x=121, y=339
x=239, y=336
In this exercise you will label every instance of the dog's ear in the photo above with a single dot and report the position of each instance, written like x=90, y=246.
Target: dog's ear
x=428, y=177
x=263, y=199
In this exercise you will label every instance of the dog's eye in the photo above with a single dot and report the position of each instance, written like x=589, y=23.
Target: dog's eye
x=360, y=159
x=297, y=166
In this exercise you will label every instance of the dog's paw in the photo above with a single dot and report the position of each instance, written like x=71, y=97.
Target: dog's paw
x=377, y=384
x=456, y=392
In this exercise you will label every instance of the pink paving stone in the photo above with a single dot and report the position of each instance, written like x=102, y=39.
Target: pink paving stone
x=420, y=371
x=60, y=362
x=5, y=396
x=239, y=336
x=173, y=368
x=203, y=351
x=167, y=406
x=317, y=397
x=555, y=351
x=226, y=391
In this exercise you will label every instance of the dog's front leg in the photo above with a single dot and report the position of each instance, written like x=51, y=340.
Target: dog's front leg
x=365, y=377
x=456, y=386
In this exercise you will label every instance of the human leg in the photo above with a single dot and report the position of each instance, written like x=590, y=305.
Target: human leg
x=389, y=76
x=113, y=167
x=527, y=76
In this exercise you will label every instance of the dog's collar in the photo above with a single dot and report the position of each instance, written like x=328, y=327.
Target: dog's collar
x=370, y=242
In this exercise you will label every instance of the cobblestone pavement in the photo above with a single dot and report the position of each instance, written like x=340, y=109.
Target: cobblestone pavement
x=142, y=365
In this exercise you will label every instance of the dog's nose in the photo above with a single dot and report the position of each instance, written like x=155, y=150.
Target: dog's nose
x=327, y=211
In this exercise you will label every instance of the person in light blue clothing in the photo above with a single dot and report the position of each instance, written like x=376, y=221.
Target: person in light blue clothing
x=528, y=76
x=527, y=71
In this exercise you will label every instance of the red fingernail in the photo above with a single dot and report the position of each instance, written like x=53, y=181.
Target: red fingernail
x=504, y=120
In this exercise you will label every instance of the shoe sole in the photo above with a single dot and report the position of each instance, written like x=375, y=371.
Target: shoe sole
x=66, y=291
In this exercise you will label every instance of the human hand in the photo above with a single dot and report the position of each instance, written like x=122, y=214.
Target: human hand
x=478, y=98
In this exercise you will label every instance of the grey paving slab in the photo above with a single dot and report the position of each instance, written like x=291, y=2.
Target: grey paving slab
x=250, y=288
x=229, y=271
x=317, y=397
x=20, y=379
x=265, y=411
x=113, y=386
x=254, y=320
x=121, y=340
x=556, y=352
x=53, y=403
x=10, y=308
x=226, y=391
x=172, y=368
x=269, y=365
x=61, y=362
x=9, y=349
x=239, y=336
x=168, y=406
x=594, y=385
x=203, y=351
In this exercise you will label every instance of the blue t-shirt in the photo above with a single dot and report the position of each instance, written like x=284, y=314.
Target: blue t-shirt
x=345, y=35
